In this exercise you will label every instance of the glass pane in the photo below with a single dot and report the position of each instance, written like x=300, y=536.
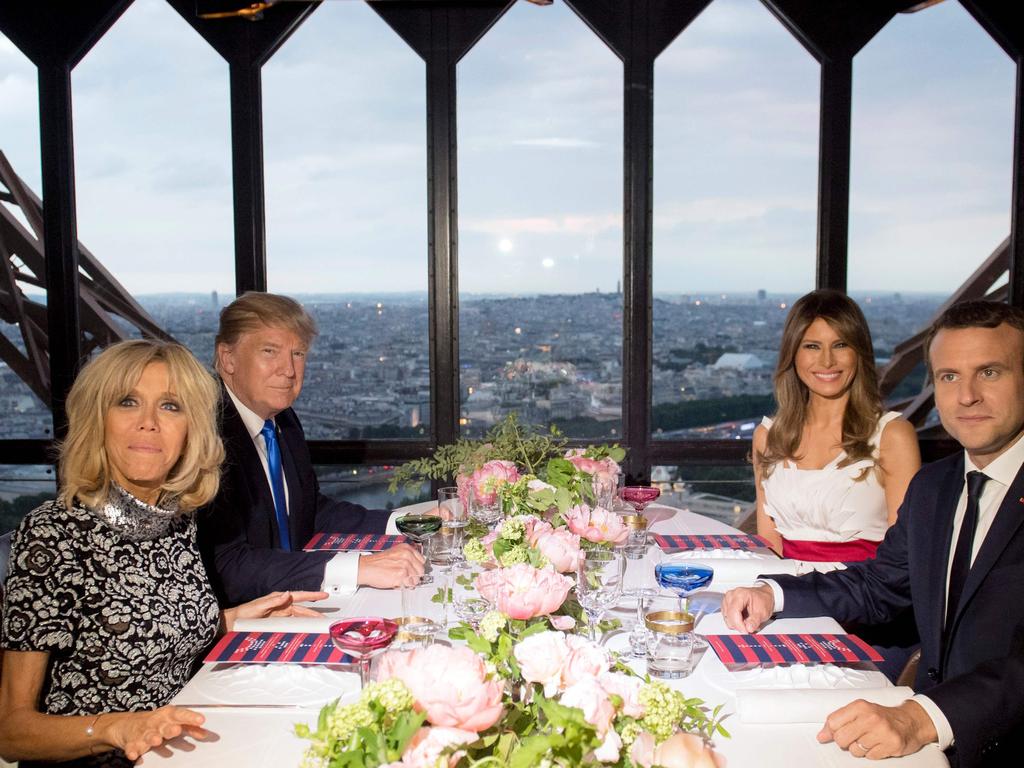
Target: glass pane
x=932, y=152
x=368, y=486
x=344, y=123
x=735, y=189
x=153, y=171
x=540, y=225
x=725, y=493
x=24, y=380
x=22, y=489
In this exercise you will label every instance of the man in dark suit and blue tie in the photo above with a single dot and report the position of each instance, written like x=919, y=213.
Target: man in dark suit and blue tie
x=269, y=504
x=956, y=553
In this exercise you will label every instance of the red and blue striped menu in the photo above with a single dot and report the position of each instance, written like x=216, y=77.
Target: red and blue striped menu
x=277, y=648
x=710, y=541
x=744, y=651
x=346, y=542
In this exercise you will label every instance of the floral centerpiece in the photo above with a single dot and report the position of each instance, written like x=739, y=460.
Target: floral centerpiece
x=524, y=468
x=548, y=698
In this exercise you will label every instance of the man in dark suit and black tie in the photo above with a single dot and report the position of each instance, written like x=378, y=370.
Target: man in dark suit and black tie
x=270, y=504
x=956, y=553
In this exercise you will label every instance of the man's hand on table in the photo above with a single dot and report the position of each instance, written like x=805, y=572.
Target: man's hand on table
x=876, y=732
x=399, y=566
x=747, y=609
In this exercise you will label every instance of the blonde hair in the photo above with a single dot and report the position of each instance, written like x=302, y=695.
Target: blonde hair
x=252, y=311
x=863, y=409
x=84, y=470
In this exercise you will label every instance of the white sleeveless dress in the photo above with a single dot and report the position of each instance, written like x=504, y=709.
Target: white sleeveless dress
x=829, y=504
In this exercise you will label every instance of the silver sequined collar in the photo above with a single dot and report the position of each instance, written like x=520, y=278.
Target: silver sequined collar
x=136, y=519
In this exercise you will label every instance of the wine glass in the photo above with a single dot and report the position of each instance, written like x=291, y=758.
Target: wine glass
x=599, y=584
x=363, y=637
x=420, y=528
x=683, y=578
x=639, y=496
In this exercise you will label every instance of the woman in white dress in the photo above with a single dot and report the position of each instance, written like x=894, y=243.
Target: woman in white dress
x=831, y=466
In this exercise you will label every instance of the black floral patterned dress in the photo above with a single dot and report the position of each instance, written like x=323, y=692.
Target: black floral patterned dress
x=118, y=597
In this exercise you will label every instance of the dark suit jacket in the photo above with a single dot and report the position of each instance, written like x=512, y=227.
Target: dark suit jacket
x=238, y=531
x=978, y=679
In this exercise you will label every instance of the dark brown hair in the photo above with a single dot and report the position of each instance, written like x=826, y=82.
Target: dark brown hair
x=865, y=404
x=978, y=313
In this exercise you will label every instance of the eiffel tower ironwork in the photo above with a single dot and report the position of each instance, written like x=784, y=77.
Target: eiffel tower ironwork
x=108, y=312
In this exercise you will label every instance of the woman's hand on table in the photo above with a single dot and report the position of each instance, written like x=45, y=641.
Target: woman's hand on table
x=399, y=566
x=136, y=733
x=747, y=609
x=870, y=730
x=273, y=604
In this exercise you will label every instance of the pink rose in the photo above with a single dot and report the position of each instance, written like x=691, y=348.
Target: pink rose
x=585, y=659
x=486, y=481
x=425, y=747
x=626, y=688
x=541, y=658
x=561, y=548
x=681, y=750
x=522, y=591
x=597, y=525
x=449, y=684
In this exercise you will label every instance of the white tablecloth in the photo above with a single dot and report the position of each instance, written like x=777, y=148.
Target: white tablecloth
x=263, y=736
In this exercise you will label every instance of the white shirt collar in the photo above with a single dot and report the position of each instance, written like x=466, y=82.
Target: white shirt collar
x=253, y=422
x=1004, y=468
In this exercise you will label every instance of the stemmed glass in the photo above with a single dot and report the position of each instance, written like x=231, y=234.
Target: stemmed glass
x=683, y=578
x=420, y=528
x=599, y=584
x=639, y=496
x=363, y=637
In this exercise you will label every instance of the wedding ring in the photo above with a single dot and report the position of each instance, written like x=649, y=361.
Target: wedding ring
x=866, y=749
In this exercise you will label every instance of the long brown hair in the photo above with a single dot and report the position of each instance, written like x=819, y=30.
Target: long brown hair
x=864, y=407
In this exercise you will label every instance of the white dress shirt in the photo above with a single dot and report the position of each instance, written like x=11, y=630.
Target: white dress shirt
x=1001, y=473
x=341, y=572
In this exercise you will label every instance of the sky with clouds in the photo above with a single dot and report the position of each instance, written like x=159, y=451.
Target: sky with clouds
x=540, y=155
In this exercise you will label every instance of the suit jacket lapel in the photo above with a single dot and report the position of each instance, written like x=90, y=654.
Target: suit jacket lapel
x=1007, y=522
x=936, y=565
x=249, y=463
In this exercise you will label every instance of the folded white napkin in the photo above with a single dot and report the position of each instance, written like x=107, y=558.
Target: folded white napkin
x=286, y=624
x=809, y=705
x=736, y=571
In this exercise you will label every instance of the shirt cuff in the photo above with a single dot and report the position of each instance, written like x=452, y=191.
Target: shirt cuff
x=942, y=726
x=391, y=529
x=341, y=574
x=776, y=593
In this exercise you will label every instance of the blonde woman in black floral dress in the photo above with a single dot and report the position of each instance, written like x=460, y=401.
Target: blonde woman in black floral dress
x=107, y=604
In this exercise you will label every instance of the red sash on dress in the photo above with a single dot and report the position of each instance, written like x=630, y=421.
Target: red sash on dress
x=829, y=551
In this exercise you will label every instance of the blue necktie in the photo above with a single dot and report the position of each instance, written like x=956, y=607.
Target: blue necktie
x=277, y=483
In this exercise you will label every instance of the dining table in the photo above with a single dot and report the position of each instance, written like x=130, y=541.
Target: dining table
x=251, y=709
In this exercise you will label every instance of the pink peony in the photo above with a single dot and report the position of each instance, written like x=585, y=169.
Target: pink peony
x=561, y=548
x=597, y=525
x=681, y=750
x=587, y=695
x=585, y=659
x=609, y=750
x=606, y=468
x=541, y=658
x=534, y=527
x=425, y=747
x=563, y=623
x=449, y=684
x=626, y=688
x=522, y=591
x=486, y=481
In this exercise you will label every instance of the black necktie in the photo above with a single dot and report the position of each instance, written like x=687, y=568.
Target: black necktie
x=964, y=544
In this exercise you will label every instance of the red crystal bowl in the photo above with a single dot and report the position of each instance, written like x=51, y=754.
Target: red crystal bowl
x=363, y=634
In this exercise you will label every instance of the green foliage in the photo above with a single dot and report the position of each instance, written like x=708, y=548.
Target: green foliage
x=528, y=447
